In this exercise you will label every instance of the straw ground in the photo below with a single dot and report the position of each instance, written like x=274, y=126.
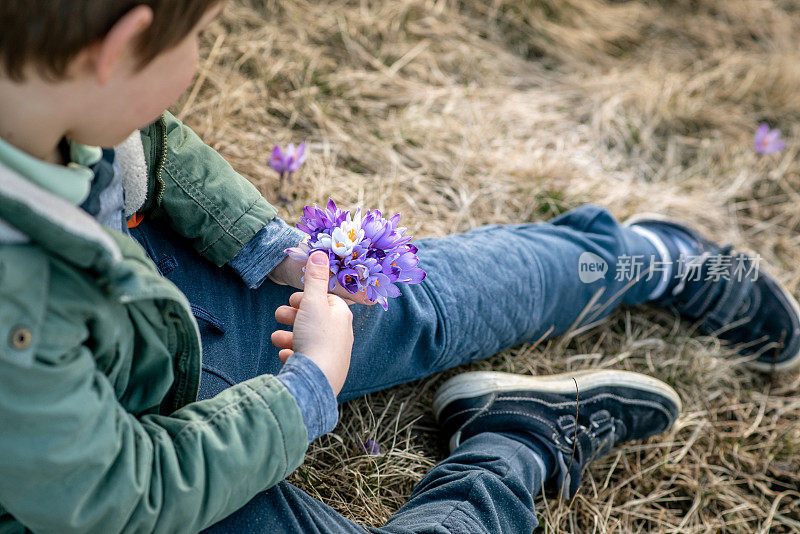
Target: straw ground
x=462, y=113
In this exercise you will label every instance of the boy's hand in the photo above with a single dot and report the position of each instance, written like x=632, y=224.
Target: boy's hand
x=323, y=325
x=289, y=273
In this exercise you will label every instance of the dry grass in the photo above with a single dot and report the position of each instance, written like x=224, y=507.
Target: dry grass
x=461, y=113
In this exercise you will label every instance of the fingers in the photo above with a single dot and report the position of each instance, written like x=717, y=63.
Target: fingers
x=340, y=308
x=360, y=297
x=282, y=339
x=295, y=299
x=284, y=354
x=350, y=298
x=316, y=278
x=286, y=315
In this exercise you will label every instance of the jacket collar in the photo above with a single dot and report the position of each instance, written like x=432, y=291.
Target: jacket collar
x=70, y=182
x=31, y=212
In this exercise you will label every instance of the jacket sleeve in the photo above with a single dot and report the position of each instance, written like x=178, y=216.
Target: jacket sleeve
x=310, y=388
x=72, y=459
x=199, y=194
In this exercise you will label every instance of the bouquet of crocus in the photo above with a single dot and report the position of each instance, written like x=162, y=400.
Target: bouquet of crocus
x=366, y=253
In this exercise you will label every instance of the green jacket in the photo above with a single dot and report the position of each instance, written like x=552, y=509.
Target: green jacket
x=100, y=361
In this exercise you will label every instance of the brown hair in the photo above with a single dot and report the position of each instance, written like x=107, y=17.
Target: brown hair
x=50, y=33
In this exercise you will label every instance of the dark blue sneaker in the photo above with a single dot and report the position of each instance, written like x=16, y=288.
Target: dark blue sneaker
x=730, y=296
x=579, y=416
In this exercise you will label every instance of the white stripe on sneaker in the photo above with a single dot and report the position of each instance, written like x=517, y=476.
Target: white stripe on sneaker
x=479, y=383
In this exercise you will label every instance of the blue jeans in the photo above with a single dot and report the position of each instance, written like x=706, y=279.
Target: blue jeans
x=486, y=290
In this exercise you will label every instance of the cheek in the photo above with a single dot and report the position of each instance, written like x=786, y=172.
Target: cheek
x=190, y=70
x=179, y=78
x=165, y=85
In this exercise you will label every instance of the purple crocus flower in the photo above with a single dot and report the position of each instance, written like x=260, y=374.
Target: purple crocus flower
x=767, y=141
x=383, y=234
x=287, y=162
x=403, y=266
x=371, y=447
x=348, y=279
x=315, y=220
x=370, y=277
x=380, y=289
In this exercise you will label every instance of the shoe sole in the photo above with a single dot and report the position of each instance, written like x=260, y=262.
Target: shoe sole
x=787, y=365
x=475, y=384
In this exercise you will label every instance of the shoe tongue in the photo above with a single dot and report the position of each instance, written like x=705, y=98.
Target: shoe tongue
x=701, y=288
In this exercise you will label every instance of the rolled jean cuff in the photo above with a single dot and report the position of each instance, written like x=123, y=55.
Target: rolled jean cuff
x=313, y=393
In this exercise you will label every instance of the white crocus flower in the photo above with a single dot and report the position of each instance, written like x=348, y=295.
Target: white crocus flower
x=344, y=237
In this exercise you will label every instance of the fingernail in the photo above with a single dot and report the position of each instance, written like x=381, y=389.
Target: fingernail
x=319, y=258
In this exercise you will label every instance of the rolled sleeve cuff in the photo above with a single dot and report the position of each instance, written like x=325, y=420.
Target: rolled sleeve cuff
x=313, y=393
x=265, y=251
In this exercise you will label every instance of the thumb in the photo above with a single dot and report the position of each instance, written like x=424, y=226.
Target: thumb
x=316, y=278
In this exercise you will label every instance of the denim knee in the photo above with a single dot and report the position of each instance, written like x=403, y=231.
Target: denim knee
x=585, y=218
x=626, y=253
x=599, y=226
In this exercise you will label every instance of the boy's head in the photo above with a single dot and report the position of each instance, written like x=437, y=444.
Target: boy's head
x=119, y=63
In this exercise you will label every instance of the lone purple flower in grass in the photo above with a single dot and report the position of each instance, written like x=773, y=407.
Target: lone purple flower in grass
x=767, y=141
x=366, y=253
x=287, y=162
x=371, y=447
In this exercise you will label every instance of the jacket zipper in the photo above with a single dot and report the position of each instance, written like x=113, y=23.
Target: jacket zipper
x=160, y=185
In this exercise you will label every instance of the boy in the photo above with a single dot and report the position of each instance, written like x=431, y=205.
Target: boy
x=100, y=370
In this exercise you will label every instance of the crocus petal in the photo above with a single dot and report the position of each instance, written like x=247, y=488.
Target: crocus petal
x=331, y=205
x=413, y=276
x=297, y=254
x=392, y=291
x=348, y=279
x=277, y=155
x=382, y=282
x=380, y=299
x=301, y=154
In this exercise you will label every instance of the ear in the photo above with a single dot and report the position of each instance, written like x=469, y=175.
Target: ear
x=111, y=50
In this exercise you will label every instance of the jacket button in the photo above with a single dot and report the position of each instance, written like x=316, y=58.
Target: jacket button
x=21, y=338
